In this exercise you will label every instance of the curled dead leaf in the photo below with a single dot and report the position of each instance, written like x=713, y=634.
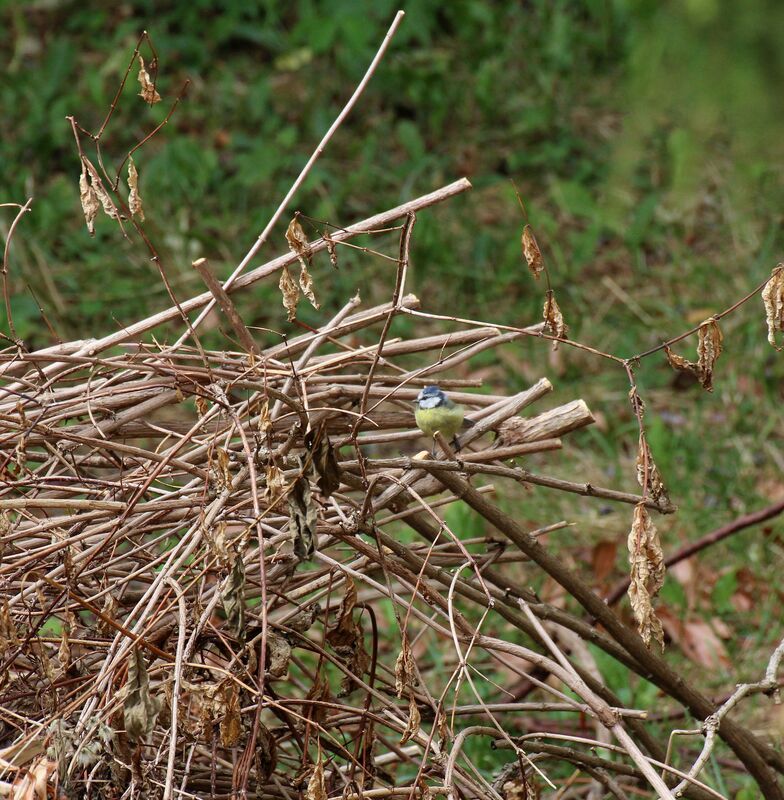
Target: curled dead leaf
x=414, y=719
x=531, y=252
x=646, y=576
x=266, y=753
x=298, y=242
x=140, y=709
x=553, y=318
x=276, y=483
x=773, y=300
x=233, y=597
x=148, y=93
x=89, y=200
x=638, y=404
x=290, y=293
x=134, y=198
x=306, y=284
x=265, y=420
x=230, y=724
x=347, y=640
x=302, y=518
x=331, y=248
x=709, y=348
x=278, y=655
x=317, y=787
x=405, y=670
x=324, y=460
x=109, y=208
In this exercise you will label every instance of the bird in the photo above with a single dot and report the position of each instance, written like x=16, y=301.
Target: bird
x=436, y=412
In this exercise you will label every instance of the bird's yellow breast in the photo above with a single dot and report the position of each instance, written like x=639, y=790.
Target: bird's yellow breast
x=446, y=419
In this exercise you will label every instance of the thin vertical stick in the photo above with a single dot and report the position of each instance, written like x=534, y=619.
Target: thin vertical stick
x=306, y=169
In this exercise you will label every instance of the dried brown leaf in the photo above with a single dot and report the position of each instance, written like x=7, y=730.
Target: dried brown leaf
x=638, y=404
x=709, y=347
x=224, y=462
x=648, y=473
x=298, y=241
x=134, y=198
x=306, y=284
x=148, y=93
x=140, y=709
x=708, y=350
x=233, y=597
x=64, y=651
x=302, y=518
x=303, y=620
x=679, y=362
x=8, y=634
x=276, y=483
x=290, y=293
x=278, y=655
x=324, y=460
x=347, y=640
x=109, y=609
x=344, y=633
x=231, y=723
x=265, y=420
x=332, y=248
x=405, y=671
x=317, y=787
x=109, y=208
x=266, y=753
x=646, y=576
x=531, y=252
x=553, y=318
x=89, y=200
x=202, y=405
x=414, y=719
x=773, y=300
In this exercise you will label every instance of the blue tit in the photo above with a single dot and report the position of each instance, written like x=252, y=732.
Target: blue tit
x=436, y=412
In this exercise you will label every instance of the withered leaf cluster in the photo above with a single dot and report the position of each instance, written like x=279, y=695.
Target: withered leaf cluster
x=709, y=348
x=289, y=288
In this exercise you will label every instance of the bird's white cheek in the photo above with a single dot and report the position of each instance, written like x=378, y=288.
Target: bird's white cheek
x=429, y=402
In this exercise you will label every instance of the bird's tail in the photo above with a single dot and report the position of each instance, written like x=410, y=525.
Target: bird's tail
x=468, y=423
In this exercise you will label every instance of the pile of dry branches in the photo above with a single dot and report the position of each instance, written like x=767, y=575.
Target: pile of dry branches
x=219, y=576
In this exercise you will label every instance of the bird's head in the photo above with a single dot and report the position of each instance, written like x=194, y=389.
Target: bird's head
x=431, y=397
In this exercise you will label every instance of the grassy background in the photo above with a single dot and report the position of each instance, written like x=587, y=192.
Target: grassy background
x=645, y=137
